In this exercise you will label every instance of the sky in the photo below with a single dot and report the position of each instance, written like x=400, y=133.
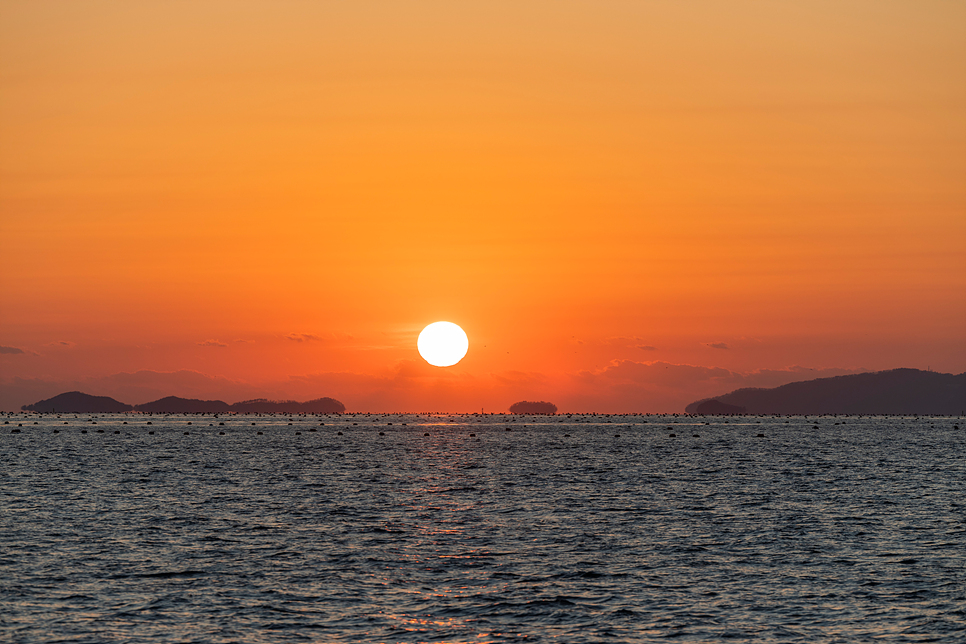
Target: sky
x=627, y=206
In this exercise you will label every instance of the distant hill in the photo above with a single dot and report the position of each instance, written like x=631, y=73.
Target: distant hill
x=75, y=402
x=717, y=407
x=78, y=403
x=176, y=405
x=317, y=406
x=526, y=407
x=900, y=391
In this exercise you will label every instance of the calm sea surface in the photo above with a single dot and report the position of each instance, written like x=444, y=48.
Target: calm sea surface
x=824, y=530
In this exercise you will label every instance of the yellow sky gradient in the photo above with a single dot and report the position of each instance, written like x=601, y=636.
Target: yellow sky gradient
x=273, y=198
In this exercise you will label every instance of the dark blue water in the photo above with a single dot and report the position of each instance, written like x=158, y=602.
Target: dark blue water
x=823, y=530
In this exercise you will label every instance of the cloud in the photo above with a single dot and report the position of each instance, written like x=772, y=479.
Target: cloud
x=330, y=339
x=629, y=386
x=304, y=337
x=212, y=343
x=627, y=342
x=413, y=385
x=10, y=350
x=521, y=378
x=654, y=374
x=718, y=345
x=405, y=369
x=62, y=343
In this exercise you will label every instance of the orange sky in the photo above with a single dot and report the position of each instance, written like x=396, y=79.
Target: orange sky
x=626, y=205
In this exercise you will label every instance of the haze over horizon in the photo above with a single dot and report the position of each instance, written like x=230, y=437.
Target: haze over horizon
x=626, y=206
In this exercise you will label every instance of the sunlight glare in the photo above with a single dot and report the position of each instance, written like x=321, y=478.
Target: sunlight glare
x=442, y=344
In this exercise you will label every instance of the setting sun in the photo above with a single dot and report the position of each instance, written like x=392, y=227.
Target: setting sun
x=442, y=344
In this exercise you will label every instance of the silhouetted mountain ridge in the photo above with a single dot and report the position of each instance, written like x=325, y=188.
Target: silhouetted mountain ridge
x=176, y=405
x=75, y=402
x=316, y=406
x=899, y=391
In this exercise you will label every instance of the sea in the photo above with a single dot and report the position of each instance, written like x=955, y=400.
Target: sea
x=482, y=528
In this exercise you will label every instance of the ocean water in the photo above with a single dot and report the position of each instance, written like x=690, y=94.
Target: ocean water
x=822, y=530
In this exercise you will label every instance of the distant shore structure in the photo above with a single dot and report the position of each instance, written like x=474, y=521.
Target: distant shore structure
x=527, y=407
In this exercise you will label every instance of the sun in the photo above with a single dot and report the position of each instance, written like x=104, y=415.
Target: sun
x=442, y=344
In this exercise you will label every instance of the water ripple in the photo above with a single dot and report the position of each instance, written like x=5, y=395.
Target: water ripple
x=844, y=533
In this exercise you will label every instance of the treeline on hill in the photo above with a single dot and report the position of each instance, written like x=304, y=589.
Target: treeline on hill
x=75, y=402
x=527, y=407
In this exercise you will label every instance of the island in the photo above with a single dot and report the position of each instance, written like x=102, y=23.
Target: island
x=527, y=407
x=75, y=402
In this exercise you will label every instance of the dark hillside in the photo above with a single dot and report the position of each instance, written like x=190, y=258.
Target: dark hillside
x=900, y=391
x=75, y=402
x=176, y=405
x=263, y=406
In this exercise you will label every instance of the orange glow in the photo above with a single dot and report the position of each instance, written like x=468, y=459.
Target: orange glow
x=249, y=199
